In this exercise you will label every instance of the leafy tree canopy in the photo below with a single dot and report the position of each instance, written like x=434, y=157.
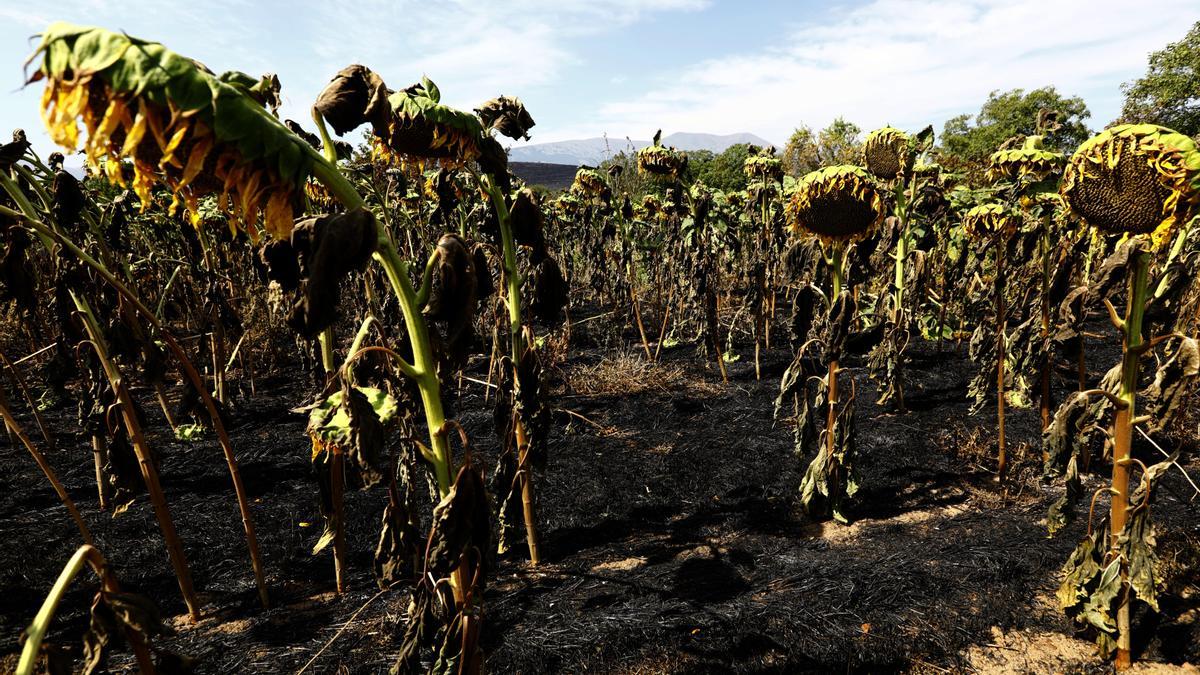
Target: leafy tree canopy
x=1015, y=113
x=720, y=171
x=838, y=143
x=1169, y=93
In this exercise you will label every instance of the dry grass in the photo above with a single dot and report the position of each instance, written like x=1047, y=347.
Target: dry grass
x=624, y=373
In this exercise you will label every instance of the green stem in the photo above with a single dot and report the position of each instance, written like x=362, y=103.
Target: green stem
x=512, y=279
x=424, y=366
x=326, y=141
x=325, y=337
x=36, y=632
x=512, y=276
x=901, y=246
x=1123, y=438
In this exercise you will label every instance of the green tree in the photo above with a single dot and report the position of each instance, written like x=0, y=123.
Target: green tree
x=1169, y=93
x=801, y=154
x=839, y=143
x=721, y=171
x=1015, y=113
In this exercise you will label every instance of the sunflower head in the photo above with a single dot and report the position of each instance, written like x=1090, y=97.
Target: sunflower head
x=507, y=115
x=836, y=203
x=890, y=153
x=659, y=160
x=422, y=127
x=1028, y=164
x=589, y=182
x=987, y=220
x=1134, y=178
x=175, y=122
x=763, y=165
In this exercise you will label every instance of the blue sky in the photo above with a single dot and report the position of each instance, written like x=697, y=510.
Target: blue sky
x=627, y=67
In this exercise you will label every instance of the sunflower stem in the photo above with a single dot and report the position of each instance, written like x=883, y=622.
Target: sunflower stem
x=1122, y=440
x=512, y=280
x=36, y=632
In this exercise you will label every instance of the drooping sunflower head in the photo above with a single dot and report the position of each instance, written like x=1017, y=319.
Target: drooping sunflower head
x=507, y=115
x=175, y=122
x=589, y=182
x=1134, y=178
x=986, y=220
x=659, y=160
x=763, y=165
x=422, y=127
x=651, y=207
x=1028, y=164
x=836, y=203
x=886, y=152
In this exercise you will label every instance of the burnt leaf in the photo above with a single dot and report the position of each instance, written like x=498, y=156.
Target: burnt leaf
x=69, y=199
x=460, y=526
x=278, y=263
x=841, y=318
x=112, y=615
x=832, y=479
x=396, y=555
x=452, y=292
x=493, y=160
x=549, y=290
x=356, y=95
x=17, y=282
x=329, y=248
x=804, y=311
x=351, y=421
x=1172, y=382
x=527, y=219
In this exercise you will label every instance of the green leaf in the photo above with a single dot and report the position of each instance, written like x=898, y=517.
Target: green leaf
x=330, y=421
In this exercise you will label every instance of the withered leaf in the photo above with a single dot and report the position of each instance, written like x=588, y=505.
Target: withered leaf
x=356, y=95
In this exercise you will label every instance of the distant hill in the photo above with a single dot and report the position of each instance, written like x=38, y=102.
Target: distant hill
x=550, y=176
x=592, y=151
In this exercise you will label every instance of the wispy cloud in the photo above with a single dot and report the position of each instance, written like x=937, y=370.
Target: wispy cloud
x=909, y=62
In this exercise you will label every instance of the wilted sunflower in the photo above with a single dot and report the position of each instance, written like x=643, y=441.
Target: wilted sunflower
x=506, y=114
x=988, y=219
x=837, y=203
x=651, y=207
x=1029, y=163
x=659, y=160
x=1135, y=178
x=888, y=152
x=175, y=121
x=589, y=182
x=763, y=165
x=422, y=127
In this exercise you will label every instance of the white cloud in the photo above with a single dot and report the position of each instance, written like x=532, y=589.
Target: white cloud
x=909, y=63
x=484, y=48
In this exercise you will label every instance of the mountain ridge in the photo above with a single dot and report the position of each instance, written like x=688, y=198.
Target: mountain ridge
x=593, y=151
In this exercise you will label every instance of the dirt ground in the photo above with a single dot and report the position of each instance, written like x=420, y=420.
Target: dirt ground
x=671, y=537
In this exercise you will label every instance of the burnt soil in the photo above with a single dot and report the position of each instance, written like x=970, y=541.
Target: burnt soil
x=671, y=536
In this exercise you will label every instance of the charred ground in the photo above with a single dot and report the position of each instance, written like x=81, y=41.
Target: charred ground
x=671, y=538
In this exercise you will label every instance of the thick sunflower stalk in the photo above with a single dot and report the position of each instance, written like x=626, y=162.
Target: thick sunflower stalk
x=891, y=155
x=839, y=205
x=410, y=128
x=992, y=225
x=765, y=173
x=1142, y=182
x=1028, y=177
